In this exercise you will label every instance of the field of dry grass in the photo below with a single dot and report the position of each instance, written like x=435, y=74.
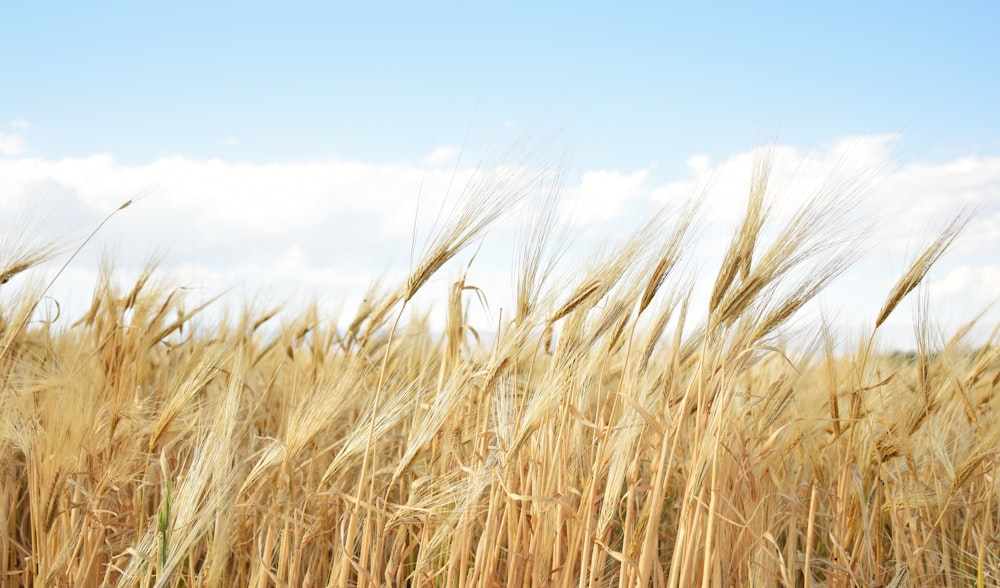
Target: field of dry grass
x=600, y=438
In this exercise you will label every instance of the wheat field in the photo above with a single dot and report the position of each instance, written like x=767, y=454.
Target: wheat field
x=605, y=435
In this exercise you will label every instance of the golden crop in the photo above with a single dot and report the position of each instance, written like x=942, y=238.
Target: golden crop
x=598, y=439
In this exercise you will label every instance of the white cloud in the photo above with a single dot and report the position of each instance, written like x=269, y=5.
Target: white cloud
x=329, y=227
x=603, y=195
x=795, y=175
x=229, y=200
x=320, y=227
x=698, y=163
x=907, y=205
x=442, y=155
x=980, y=283
x=19, y=123
x=231, y=142
x=11, y=144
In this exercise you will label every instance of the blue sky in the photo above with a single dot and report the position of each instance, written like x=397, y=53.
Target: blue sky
x=635, y=92
x=381, y=81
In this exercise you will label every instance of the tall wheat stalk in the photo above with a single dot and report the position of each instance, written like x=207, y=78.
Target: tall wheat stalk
x=615, y=430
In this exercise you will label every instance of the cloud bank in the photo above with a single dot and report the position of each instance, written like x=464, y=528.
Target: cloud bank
x=328, y=228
